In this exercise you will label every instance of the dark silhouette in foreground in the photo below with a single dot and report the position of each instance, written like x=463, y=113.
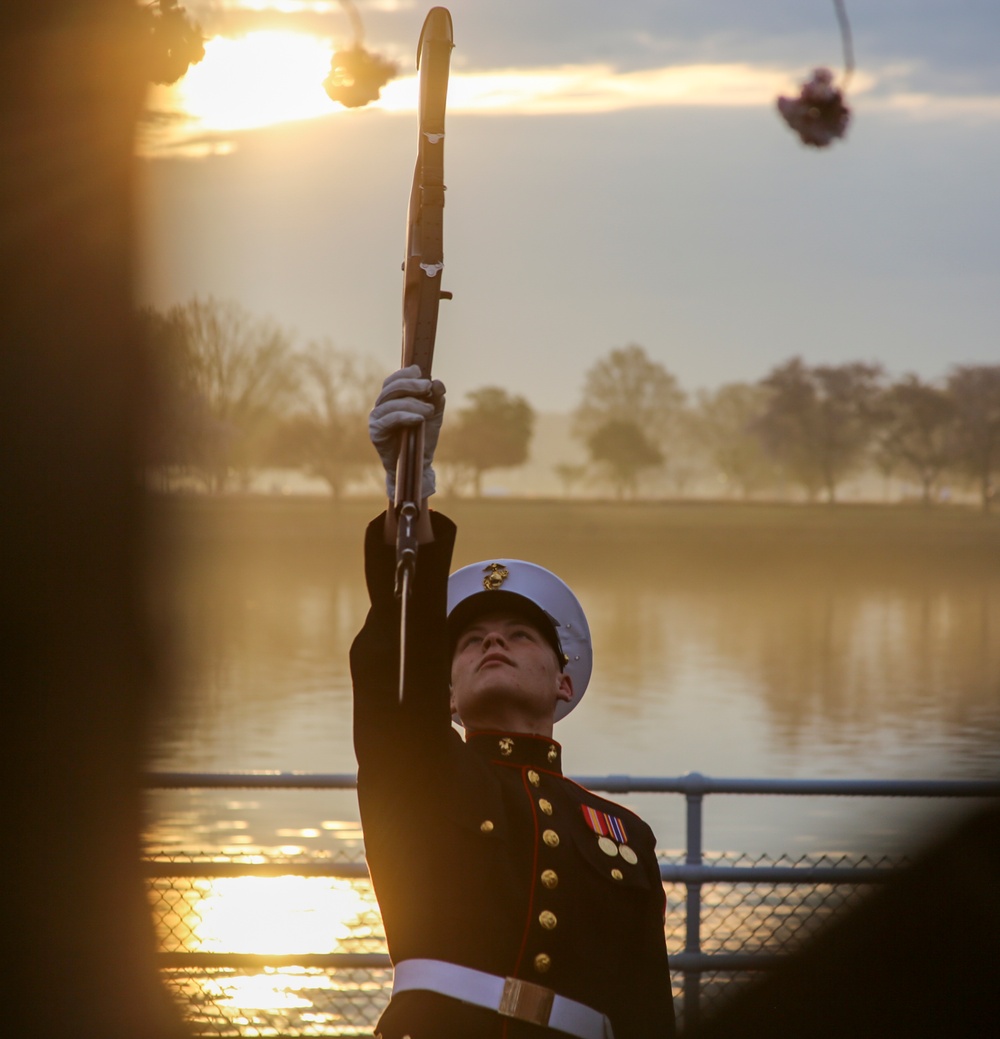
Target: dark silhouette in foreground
x=76, y=670
x=916, y=959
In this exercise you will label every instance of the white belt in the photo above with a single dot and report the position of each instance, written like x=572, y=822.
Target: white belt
x=510, y=997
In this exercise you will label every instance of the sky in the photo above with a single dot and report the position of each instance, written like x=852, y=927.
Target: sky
x=617, y=173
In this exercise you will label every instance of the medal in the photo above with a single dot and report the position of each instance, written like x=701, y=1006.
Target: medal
x=608, y=846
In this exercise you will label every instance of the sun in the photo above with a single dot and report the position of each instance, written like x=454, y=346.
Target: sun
x=256, y=80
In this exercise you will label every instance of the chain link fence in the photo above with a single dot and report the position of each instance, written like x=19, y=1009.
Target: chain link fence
x=280, y=1001
x=253, y=946
x=762, y=919
x=326, y=973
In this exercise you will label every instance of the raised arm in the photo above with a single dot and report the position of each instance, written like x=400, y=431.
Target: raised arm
x=406, y=400
x=383, y=724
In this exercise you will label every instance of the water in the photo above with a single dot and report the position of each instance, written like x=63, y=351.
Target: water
x=732, y=641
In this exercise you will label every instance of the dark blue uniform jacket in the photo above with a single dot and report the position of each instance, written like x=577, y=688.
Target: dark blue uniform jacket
x=482, y=852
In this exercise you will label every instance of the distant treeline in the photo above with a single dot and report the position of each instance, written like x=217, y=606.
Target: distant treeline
x=239, y=396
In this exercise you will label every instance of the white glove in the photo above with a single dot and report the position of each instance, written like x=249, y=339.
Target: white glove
x=406, y=400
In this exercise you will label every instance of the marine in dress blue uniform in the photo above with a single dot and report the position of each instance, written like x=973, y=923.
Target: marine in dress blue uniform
x=516, y=903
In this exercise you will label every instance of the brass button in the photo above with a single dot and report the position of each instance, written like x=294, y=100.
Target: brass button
x=628, y=854
x=551, y=838
x=546, y=806
x=486, y=826
x=533, y=777
x=550, y=878
x=506, y=746
x=616, y=874
x=552, y=754
x=542, y=962
x=547, y=920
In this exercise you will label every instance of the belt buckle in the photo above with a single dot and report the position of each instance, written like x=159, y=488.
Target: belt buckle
x=526, y=1001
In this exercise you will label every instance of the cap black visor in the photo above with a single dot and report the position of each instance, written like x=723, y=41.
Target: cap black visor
x=484, y=604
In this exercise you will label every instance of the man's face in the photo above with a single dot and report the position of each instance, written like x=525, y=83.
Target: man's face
x=505, y=675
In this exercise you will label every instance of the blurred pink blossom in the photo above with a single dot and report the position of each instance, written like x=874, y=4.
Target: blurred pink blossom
x=818, y=115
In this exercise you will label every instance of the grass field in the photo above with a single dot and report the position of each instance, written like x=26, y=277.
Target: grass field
x=878, y=539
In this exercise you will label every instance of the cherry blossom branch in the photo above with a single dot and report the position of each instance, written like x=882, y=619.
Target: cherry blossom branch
x=846, y=40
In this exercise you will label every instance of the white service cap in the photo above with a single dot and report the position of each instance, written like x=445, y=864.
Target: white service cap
x=532, y=591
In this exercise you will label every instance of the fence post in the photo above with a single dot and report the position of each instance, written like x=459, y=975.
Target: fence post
x=692, y=934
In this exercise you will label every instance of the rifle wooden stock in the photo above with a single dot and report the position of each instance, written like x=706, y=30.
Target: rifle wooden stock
x=422, y=267
x=424, y=261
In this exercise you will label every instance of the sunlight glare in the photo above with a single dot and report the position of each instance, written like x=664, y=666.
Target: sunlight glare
x=277, y=915
x=260, y=79
x=288, y=6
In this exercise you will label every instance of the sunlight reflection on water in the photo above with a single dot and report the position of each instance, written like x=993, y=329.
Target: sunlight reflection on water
x=276, y=915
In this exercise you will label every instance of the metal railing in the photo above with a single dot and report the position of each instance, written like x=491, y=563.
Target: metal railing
x=819, y=878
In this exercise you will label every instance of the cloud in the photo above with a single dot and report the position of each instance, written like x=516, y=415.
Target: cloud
x=599, y=88
x=595, y=89
x=983, y=108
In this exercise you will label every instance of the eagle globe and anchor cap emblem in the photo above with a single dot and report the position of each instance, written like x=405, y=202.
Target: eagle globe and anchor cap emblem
x=496, y=574
x=530, y=590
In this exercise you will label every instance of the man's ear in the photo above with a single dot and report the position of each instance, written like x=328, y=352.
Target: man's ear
x=564, y=687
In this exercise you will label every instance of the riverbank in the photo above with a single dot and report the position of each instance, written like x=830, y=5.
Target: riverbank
x=888, y=538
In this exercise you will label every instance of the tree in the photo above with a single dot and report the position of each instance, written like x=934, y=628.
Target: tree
x=687, y=458
x=975, y=390
x=818, y=422
x=177, y=411
x=886, y=464
x=624, y=450
x=726, y=419
x=916, y=429
x=173, y=41
x=492, y=432
x=242, y=375
x=329, y=438
x=569, y=475
x=626, y=388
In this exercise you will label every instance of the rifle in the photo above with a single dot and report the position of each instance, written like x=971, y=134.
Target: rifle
x=421, y=288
